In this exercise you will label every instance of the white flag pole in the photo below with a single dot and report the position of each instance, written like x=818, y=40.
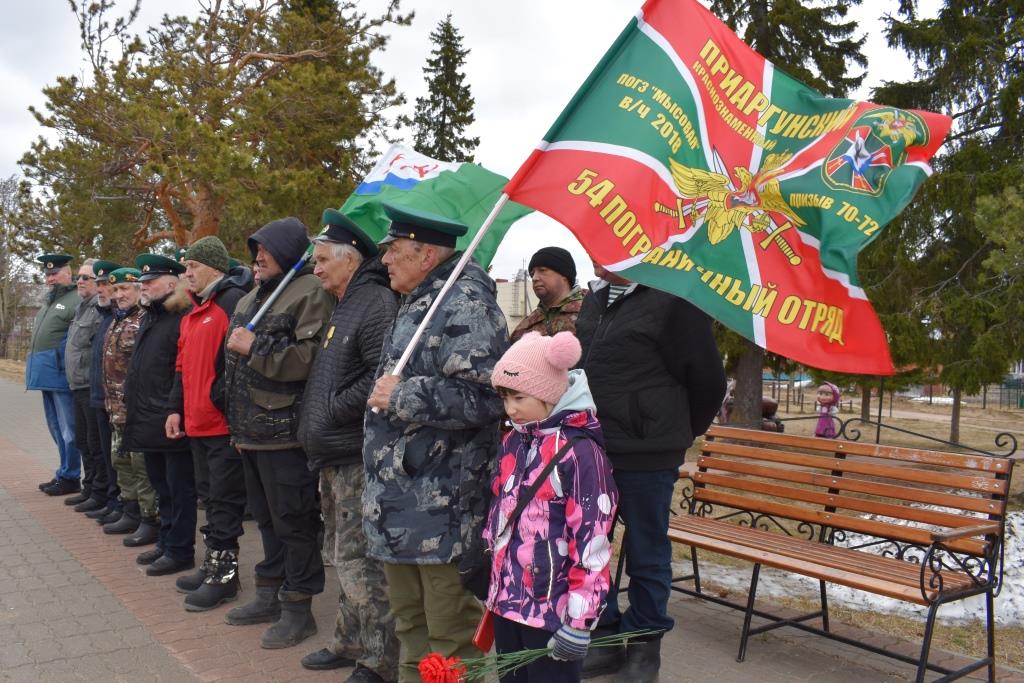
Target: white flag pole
x=459, y=267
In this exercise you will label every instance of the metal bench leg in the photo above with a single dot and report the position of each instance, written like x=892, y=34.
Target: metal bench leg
x=824, y=607
x=621, y=563
x=696, y=569
x=749, y=613
x=990, y=633
x=929, y=628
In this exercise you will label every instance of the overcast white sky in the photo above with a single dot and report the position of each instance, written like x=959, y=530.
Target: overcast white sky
x=527, y=59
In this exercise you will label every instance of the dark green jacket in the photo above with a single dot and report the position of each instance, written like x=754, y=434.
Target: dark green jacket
x=44, y=368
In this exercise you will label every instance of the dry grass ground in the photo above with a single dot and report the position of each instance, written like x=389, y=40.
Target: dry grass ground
x=13, y=370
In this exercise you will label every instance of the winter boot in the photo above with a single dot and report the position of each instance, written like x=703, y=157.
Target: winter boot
x=296, y=622
x=187, y=584
x=265, y=608
x=128, y=522
x=89, y=506
x=147, y=533
x=80, y=497
x=219, y=586
x=643, y=659
x=603, y=660
x=106, y=516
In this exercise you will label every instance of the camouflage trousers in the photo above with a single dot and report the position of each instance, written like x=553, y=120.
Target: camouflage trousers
x=131, y=474
x=365, y=630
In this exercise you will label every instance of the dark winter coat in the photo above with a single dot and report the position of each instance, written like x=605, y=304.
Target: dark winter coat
x=264, y=389
x=331, y=427
x=198, y=394
x=44, y=368
x=151, y=378
x=96, y=393
x=655, y=373
x=429, y=457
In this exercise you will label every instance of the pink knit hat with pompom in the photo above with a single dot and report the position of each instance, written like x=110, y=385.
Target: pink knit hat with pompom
x=538, y=365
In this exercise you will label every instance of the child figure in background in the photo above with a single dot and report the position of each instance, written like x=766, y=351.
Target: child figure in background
x=828, y=405
x=549, y=575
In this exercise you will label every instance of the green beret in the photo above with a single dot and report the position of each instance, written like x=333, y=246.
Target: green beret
x=124, y=275
x=153, y=266
x=233, y=263
x=422, y=226
x=102, y=269
x=179, y=255
x=53, y=262
x=344, y=230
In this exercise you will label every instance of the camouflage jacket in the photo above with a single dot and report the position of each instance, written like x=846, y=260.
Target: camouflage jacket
x=429, y=457
x=549, y=321
x=118, y=346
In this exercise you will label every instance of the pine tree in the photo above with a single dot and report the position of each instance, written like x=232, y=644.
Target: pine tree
x=813, y=42
x=443, y=116
x=969, y=63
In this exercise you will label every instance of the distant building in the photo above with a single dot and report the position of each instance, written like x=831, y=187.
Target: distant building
x=516, y=298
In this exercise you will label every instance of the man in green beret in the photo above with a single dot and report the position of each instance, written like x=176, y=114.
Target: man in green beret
x=136, y=491
x=44, y=370
x=428, y=447
x=147, y=389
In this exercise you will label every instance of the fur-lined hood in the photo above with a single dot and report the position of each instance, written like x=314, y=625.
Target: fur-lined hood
x=179, y=299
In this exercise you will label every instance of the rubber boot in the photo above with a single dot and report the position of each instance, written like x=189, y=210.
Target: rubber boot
x=128, y=522
x=296, y=622
x=643, y=660
x=147, y=533
x=104, y=517
x=187, y=584
x=221, y=584
x=601, y=661
x=265, y=608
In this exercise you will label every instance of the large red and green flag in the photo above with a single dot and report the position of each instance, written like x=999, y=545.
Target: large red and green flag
x=459, y=190
x=689, y=163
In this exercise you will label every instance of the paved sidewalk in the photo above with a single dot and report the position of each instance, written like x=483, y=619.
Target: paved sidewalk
x=75, y=606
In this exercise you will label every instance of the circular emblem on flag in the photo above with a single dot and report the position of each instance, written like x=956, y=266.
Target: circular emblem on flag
x=874, y=145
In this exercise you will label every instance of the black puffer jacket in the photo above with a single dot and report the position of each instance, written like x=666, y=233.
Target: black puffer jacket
x=655, y=373
x=151, y=378
x=331, y=426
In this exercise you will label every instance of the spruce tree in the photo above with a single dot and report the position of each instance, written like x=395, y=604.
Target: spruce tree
x=443, y=116
x=815, y=43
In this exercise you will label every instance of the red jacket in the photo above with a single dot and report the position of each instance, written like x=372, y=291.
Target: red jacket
x=199, y=385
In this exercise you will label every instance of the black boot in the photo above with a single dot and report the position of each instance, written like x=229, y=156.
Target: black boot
x=601, y=661
x=63, y=487
x=147, y=533
x=265, y=608
x=84, y=495
x=296, y=622
x=149, y=557
x=187, y=584
x=105, y=516
x=219, y=586
x=46, y=484
x=89, y=505
x=643, y=659
x=128, y=522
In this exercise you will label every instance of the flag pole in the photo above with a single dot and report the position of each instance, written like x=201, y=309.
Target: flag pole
x=459, y=267
x=288, y=277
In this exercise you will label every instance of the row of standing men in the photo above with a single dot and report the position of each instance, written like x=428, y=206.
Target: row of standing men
x=156, y=366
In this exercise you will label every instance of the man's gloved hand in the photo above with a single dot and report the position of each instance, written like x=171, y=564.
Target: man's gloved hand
x=569, y=644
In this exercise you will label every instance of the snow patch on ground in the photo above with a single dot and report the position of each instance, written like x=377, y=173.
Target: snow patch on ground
x=774, y=583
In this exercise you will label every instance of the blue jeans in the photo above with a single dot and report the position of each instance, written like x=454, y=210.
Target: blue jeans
x=644, y=502
x=59, y=408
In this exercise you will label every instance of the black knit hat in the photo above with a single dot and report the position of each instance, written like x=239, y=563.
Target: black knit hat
x=558, y=260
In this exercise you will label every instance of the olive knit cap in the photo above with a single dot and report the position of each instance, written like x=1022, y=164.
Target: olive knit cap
x=209, y=251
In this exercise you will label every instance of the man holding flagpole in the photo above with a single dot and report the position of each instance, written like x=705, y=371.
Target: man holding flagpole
x=430, y=436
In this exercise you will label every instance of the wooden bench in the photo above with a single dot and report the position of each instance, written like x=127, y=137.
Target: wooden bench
x=925, y=527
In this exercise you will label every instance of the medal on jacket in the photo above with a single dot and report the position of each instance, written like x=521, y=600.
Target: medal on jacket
x=327, y=339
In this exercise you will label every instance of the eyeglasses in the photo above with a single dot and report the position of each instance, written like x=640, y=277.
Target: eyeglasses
x=85, y=277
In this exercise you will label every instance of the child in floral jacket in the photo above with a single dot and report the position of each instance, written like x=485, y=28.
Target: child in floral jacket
x=549, y=576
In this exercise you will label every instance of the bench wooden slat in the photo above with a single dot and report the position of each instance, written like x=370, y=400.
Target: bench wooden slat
x=837, y=557
x=919, y=456
x=833, y=519
x=941, y=519
x=979, y=483
x=813, y=570
x=917, y=495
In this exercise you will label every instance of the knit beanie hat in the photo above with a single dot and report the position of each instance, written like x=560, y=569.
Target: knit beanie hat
x=557, y=259
x=209, y=251
x=538, y=366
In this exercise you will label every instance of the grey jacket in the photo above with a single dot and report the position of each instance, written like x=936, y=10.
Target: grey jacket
x=78, y=354
x=429, y=458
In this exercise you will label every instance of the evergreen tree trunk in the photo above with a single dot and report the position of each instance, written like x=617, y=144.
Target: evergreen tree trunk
x=954, y=419
x=749, y=369
x=865, y=401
